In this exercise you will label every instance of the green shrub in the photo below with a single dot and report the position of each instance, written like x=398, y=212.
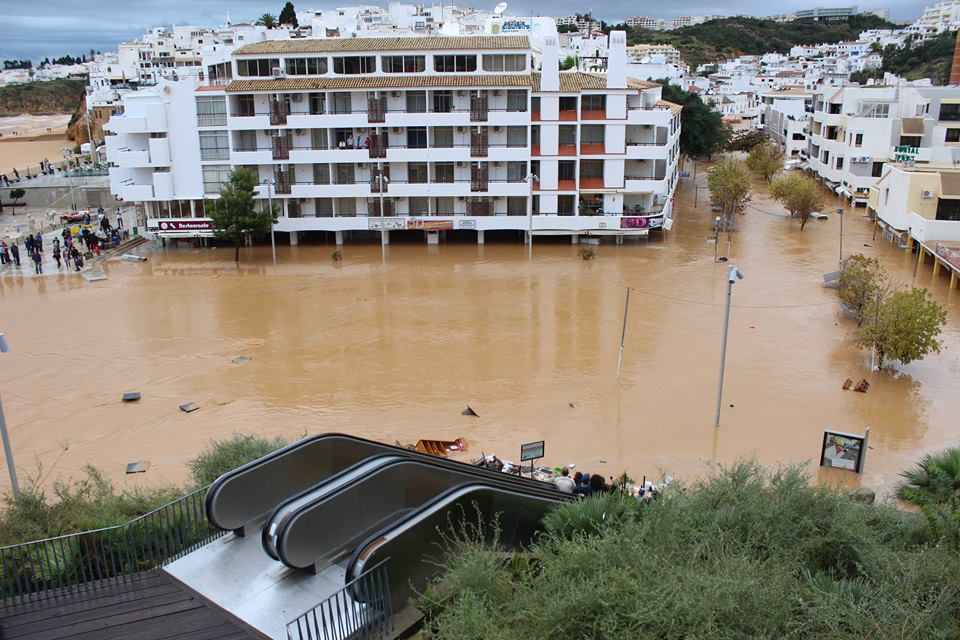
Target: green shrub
x=221, y=456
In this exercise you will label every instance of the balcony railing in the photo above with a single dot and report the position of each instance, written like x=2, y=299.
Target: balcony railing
x=215, y=154
x=212, y=119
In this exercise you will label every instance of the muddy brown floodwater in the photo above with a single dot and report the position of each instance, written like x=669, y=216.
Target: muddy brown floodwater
x=394, y=352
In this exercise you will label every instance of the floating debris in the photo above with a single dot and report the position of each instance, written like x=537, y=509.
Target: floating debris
x=469, y=412
x=136, y=467
x=862, y=386
x=188, y=407
x=131, y=396
x=847, y=384
x=132, y=257
x=96, y=277
x=572, y=406
x=240, y=359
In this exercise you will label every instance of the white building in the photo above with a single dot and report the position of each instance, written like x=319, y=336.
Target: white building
x=855, y=130
x=940, y=17
x=453, y=125
x=646, y=22
x=784, y=116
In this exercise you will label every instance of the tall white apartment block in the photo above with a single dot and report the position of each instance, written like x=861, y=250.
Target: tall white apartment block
x=464, y=132
x=855, y=130
x=784, y=114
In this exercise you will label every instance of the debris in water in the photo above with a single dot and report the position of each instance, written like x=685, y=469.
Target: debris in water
x=602, y=461
x=240, y=359
x=136, y=467
x=188, y=407
x=862, y=386
x=131, y=396
x=867, y=245
x=847, y=384
x=469, y=412
x=96, y=277
x=132, y=257
x=572, y=406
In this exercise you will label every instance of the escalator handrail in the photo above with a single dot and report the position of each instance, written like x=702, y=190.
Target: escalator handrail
x=278, y=523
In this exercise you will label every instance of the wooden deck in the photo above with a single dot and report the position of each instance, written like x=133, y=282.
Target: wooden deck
x=151, y=606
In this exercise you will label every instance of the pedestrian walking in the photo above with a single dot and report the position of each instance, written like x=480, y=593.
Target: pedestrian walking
x=15, y=253
x=4, y=259
x=28, y=244
x=77, y=258
x=37, y=259
x=119, y=219
x=56, y=254
x=38, y=242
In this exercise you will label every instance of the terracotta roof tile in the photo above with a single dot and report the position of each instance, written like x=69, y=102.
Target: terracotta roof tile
x=577, y=81
x=378, y=82
x=420, y=43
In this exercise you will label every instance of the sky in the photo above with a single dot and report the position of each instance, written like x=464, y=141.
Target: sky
x=56, y=27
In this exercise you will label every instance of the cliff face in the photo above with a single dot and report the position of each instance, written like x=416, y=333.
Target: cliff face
x=77, y=127
x=41, y=98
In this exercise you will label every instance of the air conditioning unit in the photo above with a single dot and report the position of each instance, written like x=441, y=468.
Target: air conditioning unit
x=396, y=129
x=277, y=72
x=459, y=164
x=298, y=131
x=459, y=129
x=461, y=198
x=498, y=164
x=927, y=193
x=461, y=93
x=498, y=93
x=395, y=94
x=361, y=165
x=296, y=97
x=496, y=129
x=267, y=132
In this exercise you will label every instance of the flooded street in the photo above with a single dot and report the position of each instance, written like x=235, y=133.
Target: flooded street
x=394, y=352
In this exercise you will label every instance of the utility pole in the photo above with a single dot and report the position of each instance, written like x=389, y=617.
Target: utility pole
x=273, y=243
x=531, y=178
x=382, y=181
x=876, y=326
x=732, y=275
x=623, y=333
x=7, y=448
x=840, y=213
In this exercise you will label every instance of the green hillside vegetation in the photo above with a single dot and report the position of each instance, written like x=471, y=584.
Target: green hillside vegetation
x=41, y=98
x=930, y=59
x=730, y=37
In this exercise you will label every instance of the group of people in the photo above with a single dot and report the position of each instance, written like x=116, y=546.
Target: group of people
x=10, y=254
x=362, y=142
x=46, y=168
x=586, y=484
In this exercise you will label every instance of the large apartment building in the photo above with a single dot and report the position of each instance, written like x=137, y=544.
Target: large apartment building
x=404, y=133
x=855, y=130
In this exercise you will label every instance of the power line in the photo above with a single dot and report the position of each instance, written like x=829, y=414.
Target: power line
x=736, y=306
x=769, y=213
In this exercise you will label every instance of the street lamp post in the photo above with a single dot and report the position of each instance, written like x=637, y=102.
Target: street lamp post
x=7, y=449
x=840, y=213
x=531, y=178
x=716, y=240
x=382, y=181
x=273, y=242
x=732, y=276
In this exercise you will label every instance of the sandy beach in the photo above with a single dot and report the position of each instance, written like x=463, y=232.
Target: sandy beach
x=26, y=140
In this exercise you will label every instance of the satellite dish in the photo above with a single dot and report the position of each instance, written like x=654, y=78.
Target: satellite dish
x=499, y=9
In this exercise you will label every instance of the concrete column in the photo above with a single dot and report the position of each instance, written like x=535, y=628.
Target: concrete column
x=480, y=238
x=909, y=242
x=338, y=237
x=386, y=236
x=433, y=237
x=920, y=255
x=574, y=239
x=294, y=238
x=936, y=267
x=953, y=279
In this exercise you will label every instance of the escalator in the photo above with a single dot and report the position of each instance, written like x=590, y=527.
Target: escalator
x=405, y=544
x=323, y=525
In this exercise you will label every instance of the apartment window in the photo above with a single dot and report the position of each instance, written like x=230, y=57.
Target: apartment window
x=838, y=163
x=346, y=207
x=516, y=206
x=319, y=139
x=246, y=141
x=417, y=173
x=886, y=197
x=591, y=168
x=344, y=173
x=953, y=135
x=214, y=177
x=455, y=64
x=594, y=103
x=443, y=207
x=876, y=170
x=909, y=141
x=443, y=172
x=321, y=174
x=442, y=101
x=568, y=103
x=567, y=135
x=516, y=136
x=342, y=102
x=591, y=134
x=353, y=65
x=306, y=66
x=257, y=67
x=443, y=137
x=835, y=108
x=419, y=206
x=211, y=111
x=504, y=62
x=516, y=100
x=323, y=207
x=317, y=103
x=566, y=205
x=516, y=171
x=403, y=64
x=245, y=105
x=214, y=145
x=416, y=101
x=949, y=112
x=948, y=210
x=858, y=140
x=416, y=137
x=566, y=170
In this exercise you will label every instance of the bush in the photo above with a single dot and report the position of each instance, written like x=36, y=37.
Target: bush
x=221, y=456
x=743, y=553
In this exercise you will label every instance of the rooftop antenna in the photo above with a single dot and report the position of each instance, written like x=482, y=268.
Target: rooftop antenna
x=499, y=9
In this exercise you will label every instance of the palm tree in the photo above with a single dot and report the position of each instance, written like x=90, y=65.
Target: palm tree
x=934, y=480
x=267, y=20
